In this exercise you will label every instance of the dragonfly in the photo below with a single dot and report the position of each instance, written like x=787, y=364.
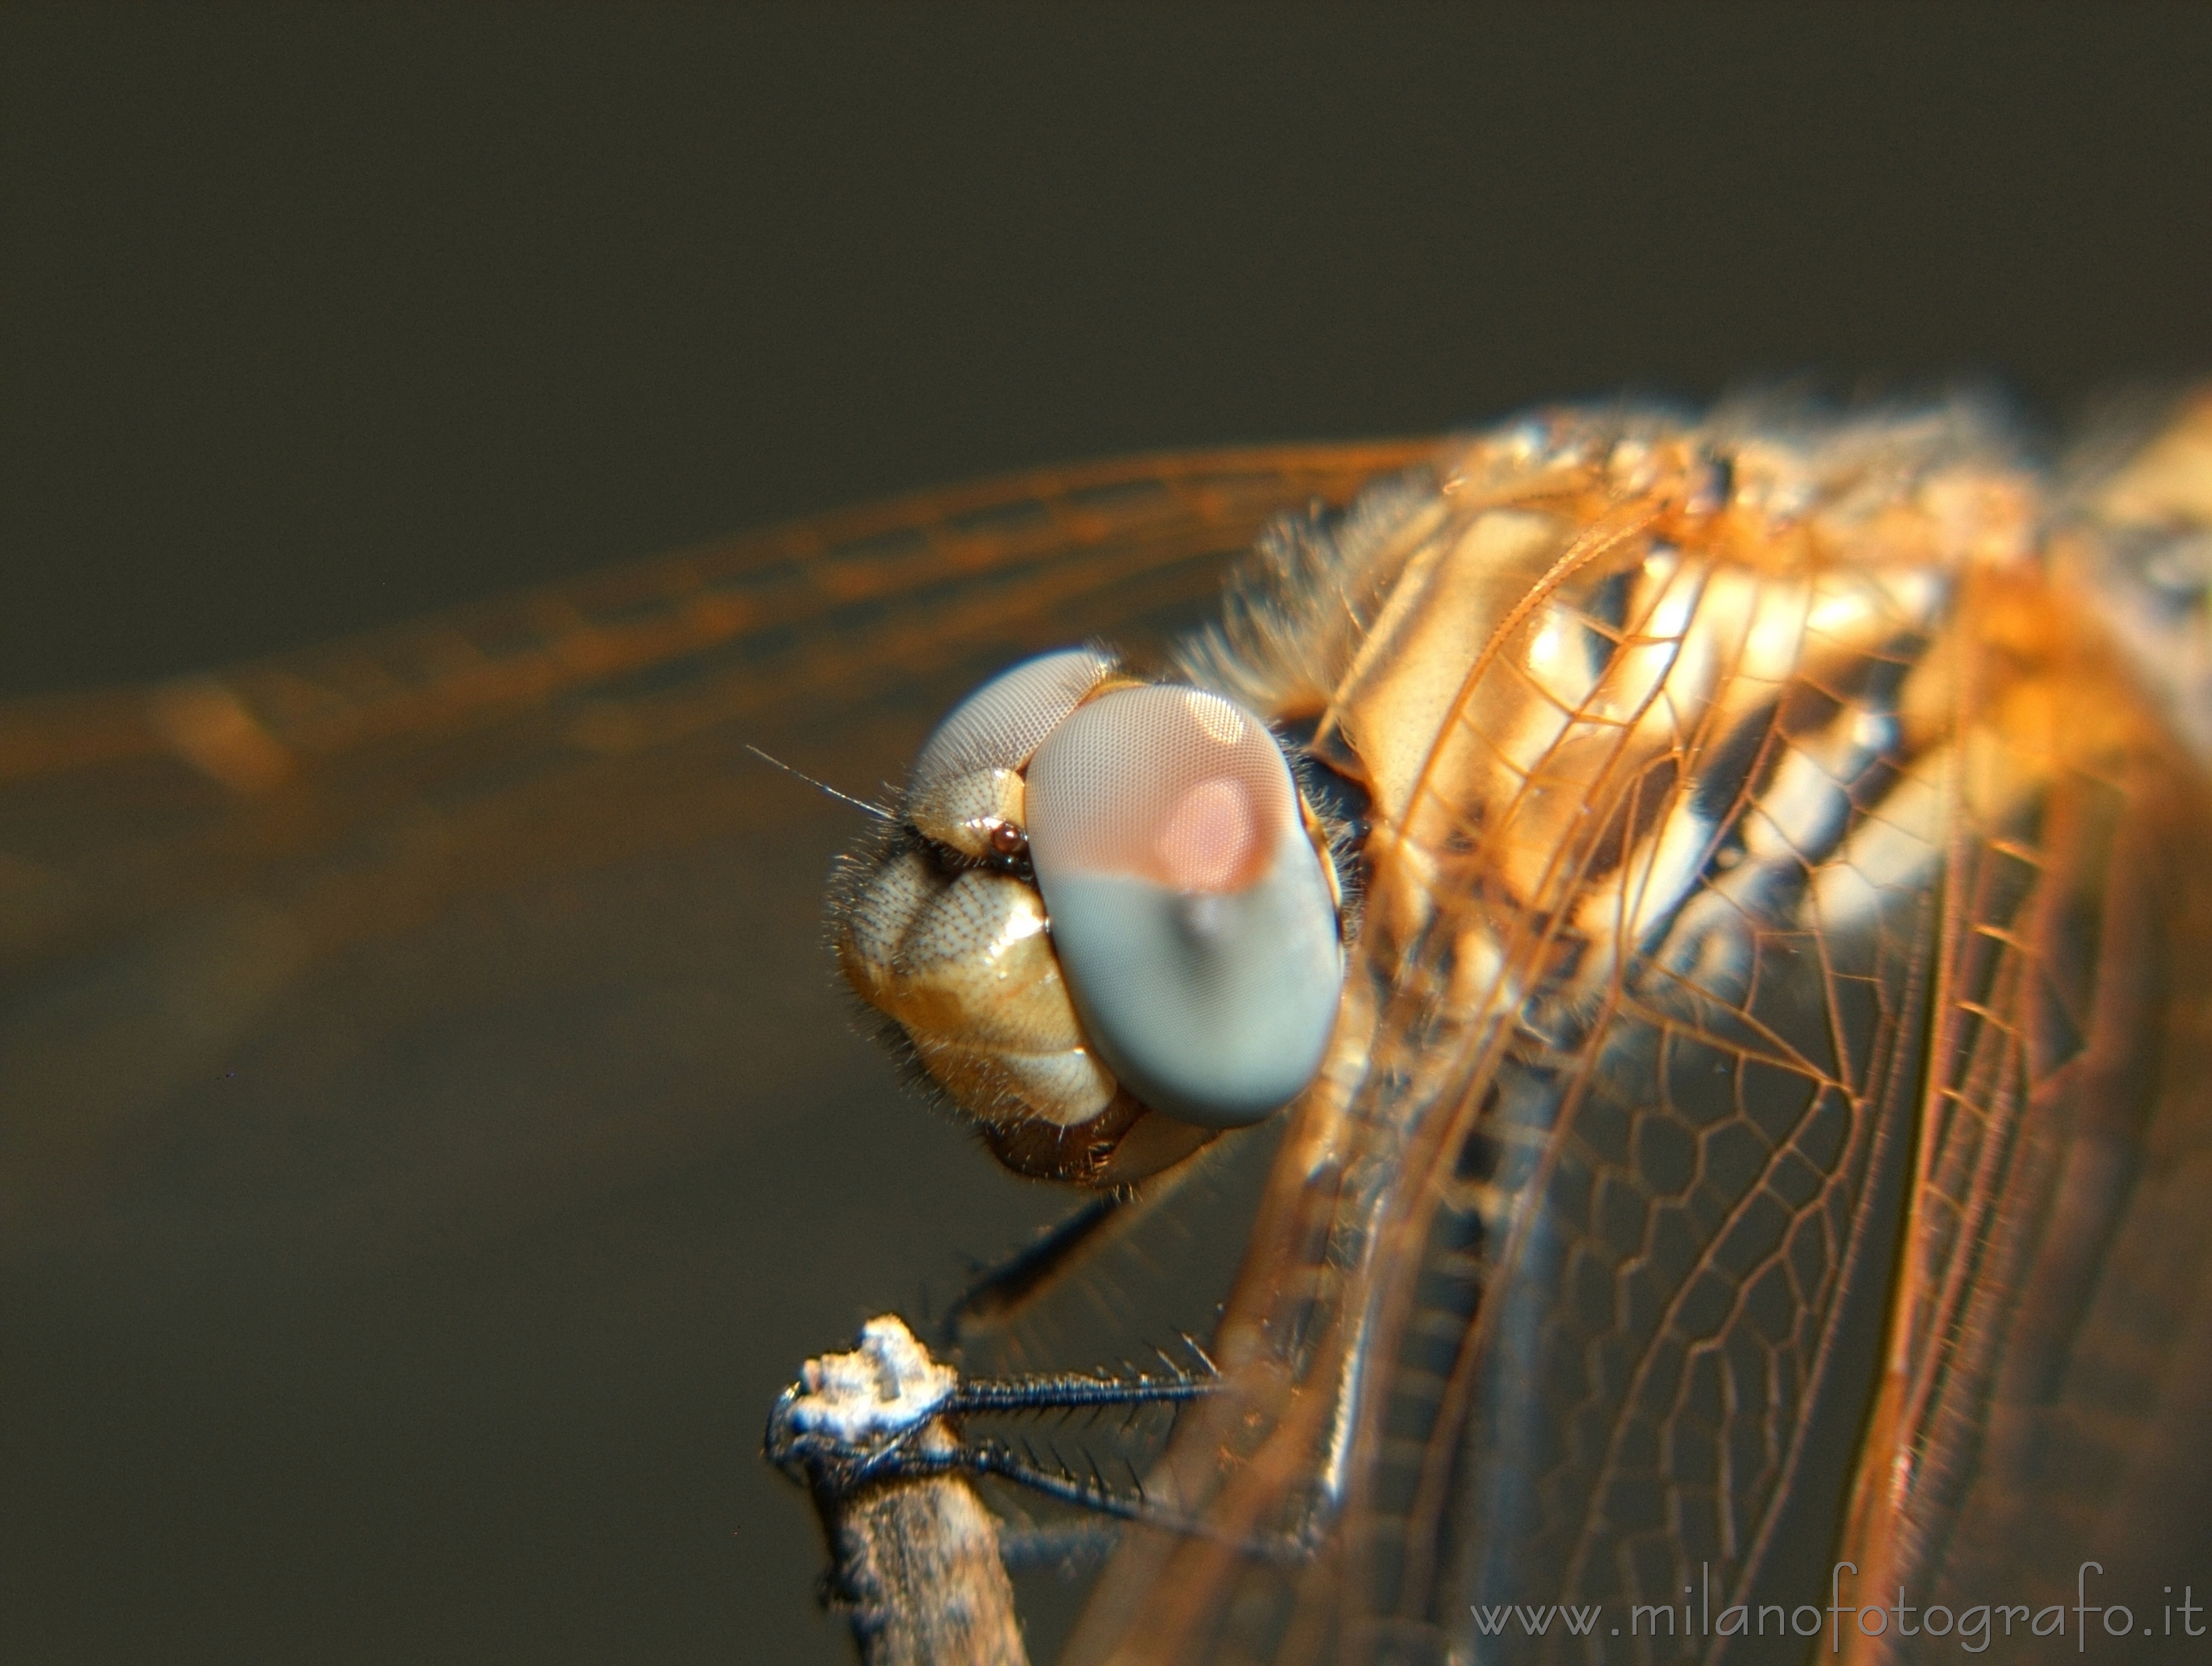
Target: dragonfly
x=1461, y=1362
x=1742, y=1176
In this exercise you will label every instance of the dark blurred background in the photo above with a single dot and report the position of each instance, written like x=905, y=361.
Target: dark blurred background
x=314, y=320
x=323, y=317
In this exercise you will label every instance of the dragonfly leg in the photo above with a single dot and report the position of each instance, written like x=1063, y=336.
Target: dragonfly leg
x=1070, y=1549
x=1003, y=1292
x=888, y=1418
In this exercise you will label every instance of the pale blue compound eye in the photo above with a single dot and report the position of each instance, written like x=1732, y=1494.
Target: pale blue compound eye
x=1190, y=913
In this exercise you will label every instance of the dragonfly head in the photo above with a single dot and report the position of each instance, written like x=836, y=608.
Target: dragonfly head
x=1104, y=921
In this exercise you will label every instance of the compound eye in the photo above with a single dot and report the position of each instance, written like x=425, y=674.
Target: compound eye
x=1000, y=725
x=1190, y=913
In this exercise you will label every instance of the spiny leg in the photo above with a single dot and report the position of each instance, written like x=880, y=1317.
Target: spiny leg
x=1006, y=1291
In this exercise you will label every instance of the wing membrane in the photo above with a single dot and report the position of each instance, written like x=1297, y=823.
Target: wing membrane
x=259, y=862
x=2049, y=1390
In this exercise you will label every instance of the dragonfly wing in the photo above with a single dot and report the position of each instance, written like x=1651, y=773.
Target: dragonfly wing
x=2051, y=1370
x=427, y=881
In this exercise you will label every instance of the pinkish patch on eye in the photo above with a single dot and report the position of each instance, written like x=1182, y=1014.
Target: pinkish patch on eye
x=1209, y=840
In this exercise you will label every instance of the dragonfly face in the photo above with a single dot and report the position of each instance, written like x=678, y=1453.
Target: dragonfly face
x=1190, y=900
x=1758, y=1134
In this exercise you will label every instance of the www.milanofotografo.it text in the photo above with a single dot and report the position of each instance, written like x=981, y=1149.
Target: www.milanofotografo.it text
x=1974, y=1628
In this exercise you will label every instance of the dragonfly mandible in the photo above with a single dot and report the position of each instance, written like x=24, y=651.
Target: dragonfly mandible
x=1753, y=1175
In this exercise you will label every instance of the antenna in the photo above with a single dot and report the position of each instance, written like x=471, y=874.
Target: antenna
x=875, y=810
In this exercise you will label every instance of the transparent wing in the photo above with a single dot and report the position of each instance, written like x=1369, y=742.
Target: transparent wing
x=2050, y=1374
x=181, y=862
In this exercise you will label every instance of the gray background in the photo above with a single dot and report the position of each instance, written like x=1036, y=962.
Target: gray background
x=310, y=322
